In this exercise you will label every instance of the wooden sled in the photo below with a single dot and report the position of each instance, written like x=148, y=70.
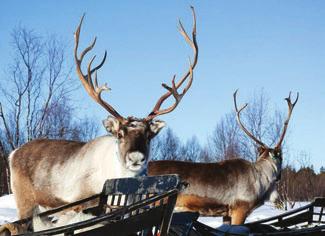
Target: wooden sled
x=306, y=220
x=128, y=206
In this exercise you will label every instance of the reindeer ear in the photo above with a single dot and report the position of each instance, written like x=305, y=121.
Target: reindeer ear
x=260, y=150
x=112, y=125
x=156, y=126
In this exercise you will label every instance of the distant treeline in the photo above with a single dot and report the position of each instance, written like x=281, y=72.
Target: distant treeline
x=301, y=183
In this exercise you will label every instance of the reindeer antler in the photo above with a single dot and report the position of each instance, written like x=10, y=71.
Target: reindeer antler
x=189, y=74
x=290, y=108
x=241, y=124
x=90, y=84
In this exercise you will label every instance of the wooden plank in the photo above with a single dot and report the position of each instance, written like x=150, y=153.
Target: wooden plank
x=142, y=185
x=319, y=202
x=167, y=217
x=313, y=231
x=157, y=187
x=320, y=214
x=133, y=224
x=293, y=220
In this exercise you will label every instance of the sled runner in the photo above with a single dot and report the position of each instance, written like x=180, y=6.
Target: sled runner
x=306, y=220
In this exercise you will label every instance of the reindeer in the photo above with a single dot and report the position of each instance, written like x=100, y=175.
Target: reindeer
x=51, y=173
x=230, y=188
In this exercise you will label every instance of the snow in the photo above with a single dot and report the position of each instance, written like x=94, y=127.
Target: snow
x=8, y=212
x=265, y=211
x=8, y=208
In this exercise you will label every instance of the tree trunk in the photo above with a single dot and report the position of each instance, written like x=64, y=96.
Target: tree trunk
x=5, y=170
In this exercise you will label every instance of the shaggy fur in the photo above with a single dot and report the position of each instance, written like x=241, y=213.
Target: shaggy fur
x=228, y=188
x=51, y=173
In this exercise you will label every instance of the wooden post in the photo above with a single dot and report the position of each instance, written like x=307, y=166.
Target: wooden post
x=226, y=220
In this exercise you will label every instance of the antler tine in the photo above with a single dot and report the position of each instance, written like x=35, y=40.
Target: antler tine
x=189, y=74
x=286, y=123
x=241, y=124
x=86, y=50
x=173, y=90
x=91, y=86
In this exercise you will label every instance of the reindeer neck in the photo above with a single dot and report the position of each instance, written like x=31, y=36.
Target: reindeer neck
x=268, y=168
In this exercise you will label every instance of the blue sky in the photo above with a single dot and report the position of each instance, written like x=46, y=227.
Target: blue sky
x=275, y=45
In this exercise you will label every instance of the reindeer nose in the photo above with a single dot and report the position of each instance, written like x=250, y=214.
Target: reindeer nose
x=136, y=157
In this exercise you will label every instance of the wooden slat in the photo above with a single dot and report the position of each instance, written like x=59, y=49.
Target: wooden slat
x=142, y=185
x=167, y=217
x=320, y=214
x=129, y=225
x=119, y=197
x=313, y=231
x=293, y=220
x=319, y=202
x=158, y=187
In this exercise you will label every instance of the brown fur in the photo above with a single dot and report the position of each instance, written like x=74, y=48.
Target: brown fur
x=27, y=158
x=220, y=174
x=31, y=164
x=239, y=211
x=206, y=206
x=12, y=229
x=135, y=140
x=40, y=148
x=216, y=189
x=232, y=188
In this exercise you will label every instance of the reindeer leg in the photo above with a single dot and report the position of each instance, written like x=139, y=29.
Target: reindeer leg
x=239, y=216
x=25, y=202
x=239, y=212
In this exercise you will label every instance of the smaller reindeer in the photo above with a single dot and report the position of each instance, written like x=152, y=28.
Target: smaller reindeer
x=51, y=173
x=230, y=188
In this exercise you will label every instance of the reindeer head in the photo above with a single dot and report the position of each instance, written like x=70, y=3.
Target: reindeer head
x=264, y=151
x=134, y=134
x=134, y=139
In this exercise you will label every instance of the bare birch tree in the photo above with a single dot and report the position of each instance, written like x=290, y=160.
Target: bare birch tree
x=35, y=93
x=166, y=146
x=227, y=140
x=191, y=150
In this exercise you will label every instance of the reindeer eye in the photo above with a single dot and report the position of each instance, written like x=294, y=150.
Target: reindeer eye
x=132, y=125
x=277, y=154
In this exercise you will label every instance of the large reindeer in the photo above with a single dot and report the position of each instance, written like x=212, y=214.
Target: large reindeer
x=54, y=172
x=231, y=188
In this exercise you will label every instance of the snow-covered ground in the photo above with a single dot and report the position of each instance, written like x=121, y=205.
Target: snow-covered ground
x=265, y=211
x=8, y=212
